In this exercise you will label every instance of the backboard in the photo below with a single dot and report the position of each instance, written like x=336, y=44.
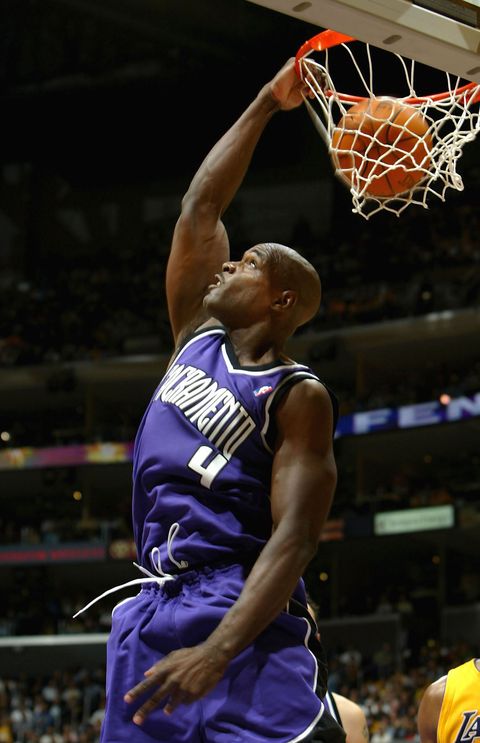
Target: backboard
x=441, y=33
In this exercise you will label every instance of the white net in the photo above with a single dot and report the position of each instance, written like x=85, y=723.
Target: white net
x=391, y=157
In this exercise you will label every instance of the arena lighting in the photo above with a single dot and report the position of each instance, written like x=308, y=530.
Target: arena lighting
x=5, y=436
x=445, y=399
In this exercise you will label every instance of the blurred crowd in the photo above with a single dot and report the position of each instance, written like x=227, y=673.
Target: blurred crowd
x=68, y=706
x=440, y=480
x=389, y=693
x=63, y=707
x=112, y=303
x=427, y=261
x=437, y=382
x=40, y=608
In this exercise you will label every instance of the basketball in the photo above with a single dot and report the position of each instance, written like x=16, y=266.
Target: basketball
x=381, y=146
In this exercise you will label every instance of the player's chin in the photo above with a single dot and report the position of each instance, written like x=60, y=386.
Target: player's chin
x=215, y=307
x=211, y=306
x=214, y=293
x=207, y=300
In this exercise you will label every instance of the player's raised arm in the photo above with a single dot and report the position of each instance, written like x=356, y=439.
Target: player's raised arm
x=200, y=242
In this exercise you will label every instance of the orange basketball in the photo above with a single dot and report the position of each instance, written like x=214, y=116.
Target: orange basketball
x=379, y=144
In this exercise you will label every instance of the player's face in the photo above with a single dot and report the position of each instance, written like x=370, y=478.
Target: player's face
x=243, y=291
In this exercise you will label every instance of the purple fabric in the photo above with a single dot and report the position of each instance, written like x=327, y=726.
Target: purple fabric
x=206, y=418
x=201, y=511
x=268, y=691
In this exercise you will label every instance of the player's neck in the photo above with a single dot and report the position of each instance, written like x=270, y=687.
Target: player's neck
x=253, y=347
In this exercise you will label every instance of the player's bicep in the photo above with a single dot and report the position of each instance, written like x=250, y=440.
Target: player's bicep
x=199, y=249
x=304, y=472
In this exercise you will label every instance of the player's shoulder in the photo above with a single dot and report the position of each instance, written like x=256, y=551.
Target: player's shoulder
x=435, y=691
x=309, y=398
x=311, y=389
x=432, y=699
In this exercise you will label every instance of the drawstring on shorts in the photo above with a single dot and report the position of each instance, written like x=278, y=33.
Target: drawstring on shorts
x=160, y=579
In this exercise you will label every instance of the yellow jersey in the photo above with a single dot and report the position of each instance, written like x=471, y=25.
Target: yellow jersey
x=459, y=720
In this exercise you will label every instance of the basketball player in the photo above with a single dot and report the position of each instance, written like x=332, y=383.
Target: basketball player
x=449, y=710
x=234, y=474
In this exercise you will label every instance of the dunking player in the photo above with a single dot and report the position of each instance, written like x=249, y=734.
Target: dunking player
x=449, y=710
x=234, y=474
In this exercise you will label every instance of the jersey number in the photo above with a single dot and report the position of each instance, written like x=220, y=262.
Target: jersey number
x=207, y=472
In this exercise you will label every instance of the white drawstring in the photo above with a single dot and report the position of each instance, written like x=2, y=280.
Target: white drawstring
x=160, y=579
x=172, y=533
x=133, y=582
x=155, y=554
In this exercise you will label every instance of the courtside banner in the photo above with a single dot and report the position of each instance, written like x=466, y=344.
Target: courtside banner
x=66, y=456
x=39, y=554
x=415, y=519
x=409, y=416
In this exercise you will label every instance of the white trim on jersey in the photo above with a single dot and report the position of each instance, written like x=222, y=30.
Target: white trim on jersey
x=310, y=727
x=300, y=370
x=329, y=702
x=201, y=334
x=305, y=641
x=233, y=370
x=306, y=732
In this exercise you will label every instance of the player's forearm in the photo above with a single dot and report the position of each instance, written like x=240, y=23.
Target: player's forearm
x=266, y=592
x=223, y=170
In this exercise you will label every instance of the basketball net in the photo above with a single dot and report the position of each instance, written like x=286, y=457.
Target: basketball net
x=452, y=118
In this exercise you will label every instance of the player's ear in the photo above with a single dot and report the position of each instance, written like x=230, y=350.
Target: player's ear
x=285, y=301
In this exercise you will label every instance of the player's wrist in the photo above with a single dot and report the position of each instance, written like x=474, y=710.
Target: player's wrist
x=219, y=651
x=269, y=100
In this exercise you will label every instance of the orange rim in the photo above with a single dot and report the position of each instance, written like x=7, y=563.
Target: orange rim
x=329, y=39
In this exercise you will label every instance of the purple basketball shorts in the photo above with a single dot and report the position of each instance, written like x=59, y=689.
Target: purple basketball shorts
x=267, y=693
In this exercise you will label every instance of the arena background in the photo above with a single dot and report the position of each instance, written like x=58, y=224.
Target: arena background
x=108, y=107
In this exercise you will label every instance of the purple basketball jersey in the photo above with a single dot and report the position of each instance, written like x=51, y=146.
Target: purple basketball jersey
x=203, y=457
x=201, y=506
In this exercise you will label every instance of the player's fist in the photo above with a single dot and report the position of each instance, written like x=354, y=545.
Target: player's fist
x=287, y=88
